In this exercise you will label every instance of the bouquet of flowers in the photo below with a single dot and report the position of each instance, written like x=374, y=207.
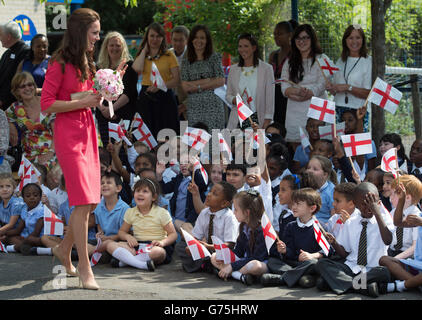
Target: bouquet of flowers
x=109, y=84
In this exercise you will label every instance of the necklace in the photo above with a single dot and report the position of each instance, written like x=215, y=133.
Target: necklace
x=346, y=98
x=247, y=73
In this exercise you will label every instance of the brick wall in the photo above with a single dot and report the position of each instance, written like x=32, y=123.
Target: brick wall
x=31, y=8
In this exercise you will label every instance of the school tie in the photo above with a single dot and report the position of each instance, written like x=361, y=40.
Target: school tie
x=362, y=259
x=399, y=235
x=210, y=227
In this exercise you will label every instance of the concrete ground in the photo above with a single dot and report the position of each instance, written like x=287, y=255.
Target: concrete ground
x=32, y=278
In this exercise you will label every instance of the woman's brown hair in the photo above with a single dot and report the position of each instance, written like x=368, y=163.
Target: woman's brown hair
x=190, y=51
x=17, y=81
x=363, y=52
x=73, y=48
x=160, y=30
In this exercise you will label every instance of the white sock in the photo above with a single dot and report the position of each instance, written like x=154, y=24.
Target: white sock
x=11, y=248
x=237, y=275
x=400, y=286
x=126, y=257
x=391, y=287
x=122, y=264
x=44, y=251
x=143, y=257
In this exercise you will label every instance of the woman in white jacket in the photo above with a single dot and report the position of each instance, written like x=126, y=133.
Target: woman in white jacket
x=253, y=80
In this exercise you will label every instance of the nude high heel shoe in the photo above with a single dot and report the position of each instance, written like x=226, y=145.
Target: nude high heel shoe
x=69, y=272
x=88, y=286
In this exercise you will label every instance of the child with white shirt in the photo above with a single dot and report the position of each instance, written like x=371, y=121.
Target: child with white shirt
x=57, y=196
x=215, y=219
x=363, y=240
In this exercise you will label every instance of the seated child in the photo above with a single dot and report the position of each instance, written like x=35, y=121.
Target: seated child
x=250, y=244
x=215, y=219
x=415, y=165
x=11, y=207
x=387, y=180
x=235, y=175
x=343, y=207
x=58, y=195
x=42, y=179
x=299, y=251
x=134, y=151
x=277, y=169
x=408, y=273
x=151, y=225
x=404, y=239
x=150, y=174
x=363, y=239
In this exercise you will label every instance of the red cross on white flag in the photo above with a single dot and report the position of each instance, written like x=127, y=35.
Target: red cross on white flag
x=223, y=252
x=327, y=66
x=247, y=98
x=357, y=144
x=321, y=109
x=304, y=140
x=326, y=132
x=156, y=79
x=198, y=166
x=242, y=110
x=389, y=162
x=27, y=173
x=385, y=96
x=2, y=247
x=253, y=137
x=143, y=251
x=116, y=132
x=269, y=233
x=142, y=132
x=196, y=138
x=96, y=255
x=52, y=225
x=322, y=241
x=224, y=147
x=197, y=250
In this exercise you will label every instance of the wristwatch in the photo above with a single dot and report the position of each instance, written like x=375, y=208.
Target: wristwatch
x=199, y=89
x=350, y=88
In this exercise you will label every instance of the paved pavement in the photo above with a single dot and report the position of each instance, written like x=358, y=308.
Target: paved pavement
x=32, y=278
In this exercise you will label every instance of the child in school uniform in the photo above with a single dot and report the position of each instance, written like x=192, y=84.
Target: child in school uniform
x=404, y=239
x=322, y=170
x=363, y=240
x=11, y=206
x=414, y=166
x=250, y=244
x=406, y=273
x=299, y=251
x=235, y=175
x=151, y=225
x=343, y=207
x=387, y=180
x=58, y=195
x=30, y=227
x=215, y=219
x=277, y=169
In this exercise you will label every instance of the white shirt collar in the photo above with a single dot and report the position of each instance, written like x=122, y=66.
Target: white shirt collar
x=303, y=225
x=415, y=167
x=323, y=186
x=217, y=213
x=31, y=212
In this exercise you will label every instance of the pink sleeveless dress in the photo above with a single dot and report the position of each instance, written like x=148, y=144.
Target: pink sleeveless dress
x=75, y=136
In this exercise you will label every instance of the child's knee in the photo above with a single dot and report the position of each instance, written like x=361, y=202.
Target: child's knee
x=158, y=254
x=385, y=261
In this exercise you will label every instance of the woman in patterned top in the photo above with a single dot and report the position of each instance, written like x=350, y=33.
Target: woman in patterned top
x=25, y=119
x=201, y=73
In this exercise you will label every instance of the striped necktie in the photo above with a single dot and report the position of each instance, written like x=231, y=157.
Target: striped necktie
x=211, y=228
x=362, y=254
x=399, y=235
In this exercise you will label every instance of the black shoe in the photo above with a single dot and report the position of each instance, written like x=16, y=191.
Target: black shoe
x=247, y=279
x=151, y=265
x=370, y=291
x=26, y=249
x=271, y=279
x=207, y=267
x=382, y=287
x=322, y=285
x=114, y=263
x=307, y=281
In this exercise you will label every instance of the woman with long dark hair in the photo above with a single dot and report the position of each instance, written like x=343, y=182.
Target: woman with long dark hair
x=302, y=80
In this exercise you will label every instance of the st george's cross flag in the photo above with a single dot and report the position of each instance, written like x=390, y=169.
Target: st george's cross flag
x=357, y=144
x=389, y=162
x=197, y=250
x=253, y=137
x=2, y=247
x=321, y=109
x=222, y=251
x=269, y=233
x=198, y=166
x=96, y=256
x=243, y=111
x=116, y=132
x=385, y=95
x=224, y=147
x=327, y=132
x=304, y=140
x=142, y=132
x=327, y=66
x=322, y=241
x=27, y=173
x=156, y=78
x=196, y=138
x=143, y=251
x=52, y=224
x=248, y=99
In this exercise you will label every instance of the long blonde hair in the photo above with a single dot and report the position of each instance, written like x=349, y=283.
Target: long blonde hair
x=103, y=58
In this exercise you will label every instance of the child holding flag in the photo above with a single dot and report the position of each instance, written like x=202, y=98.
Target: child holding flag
x=250, y=245
x=300, y=251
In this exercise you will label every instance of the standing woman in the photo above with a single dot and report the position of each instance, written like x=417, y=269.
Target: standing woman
x=252, y=78
x=201, y=73
x=283, y=32
x=70, y=71
x=114, y=51
x=303, y=70
x=352, y=84
x=157, y=108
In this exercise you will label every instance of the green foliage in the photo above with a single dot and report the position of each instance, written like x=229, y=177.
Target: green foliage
x=402, y=121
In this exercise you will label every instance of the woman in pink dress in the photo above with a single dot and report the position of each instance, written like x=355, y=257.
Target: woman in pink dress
x=71, y=70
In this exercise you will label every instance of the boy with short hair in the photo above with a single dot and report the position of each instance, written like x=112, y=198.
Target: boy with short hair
x=363, y=239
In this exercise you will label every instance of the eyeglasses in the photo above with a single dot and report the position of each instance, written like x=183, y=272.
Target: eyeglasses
x=304, y=38
x=29, y=85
